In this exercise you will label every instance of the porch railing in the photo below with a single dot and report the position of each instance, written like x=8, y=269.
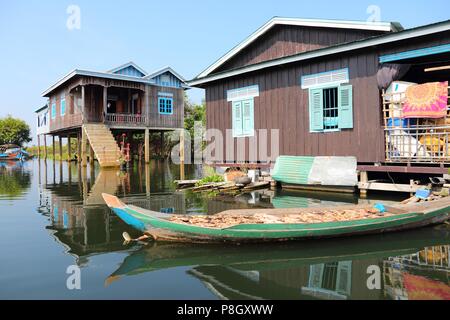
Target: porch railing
x=422, y=140
x=152, y=120
x=129, y=119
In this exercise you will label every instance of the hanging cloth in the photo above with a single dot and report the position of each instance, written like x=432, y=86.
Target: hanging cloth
x=428, y=100
x=388, y=72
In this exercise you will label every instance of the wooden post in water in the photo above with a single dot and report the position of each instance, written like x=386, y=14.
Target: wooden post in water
x=39, y=146
x=147, y=179
x=45, y=147
x=161, y=144
x=60, y=148
x=91, y=154
x=69, y=151
x=83, y=148
x=147, y=146
x=53, y=148
x=182, y=154
x=79, y=148
x=363, y=179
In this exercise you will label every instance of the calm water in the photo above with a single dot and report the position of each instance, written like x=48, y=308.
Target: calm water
x=52, y=216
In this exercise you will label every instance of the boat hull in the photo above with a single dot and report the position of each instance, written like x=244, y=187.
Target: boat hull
x=161, y=229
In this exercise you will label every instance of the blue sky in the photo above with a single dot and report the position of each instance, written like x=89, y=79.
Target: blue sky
x=37, y=48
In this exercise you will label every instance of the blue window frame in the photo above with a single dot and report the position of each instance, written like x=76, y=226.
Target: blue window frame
x=165, y=105
x=53, y=110
x=63, y=105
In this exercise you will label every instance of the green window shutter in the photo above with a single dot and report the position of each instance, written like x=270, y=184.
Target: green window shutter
x=345, y=111
x=247, y=117
x=237, y=118
x=315, y=109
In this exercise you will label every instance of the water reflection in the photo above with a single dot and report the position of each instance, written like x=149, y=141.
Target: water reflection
x=309, y=270
x=15, y=179
x=412, y=264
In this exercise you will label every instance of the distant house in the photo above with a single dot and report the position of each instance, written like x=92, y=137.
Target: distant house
x=99, y=106
x=316, y=82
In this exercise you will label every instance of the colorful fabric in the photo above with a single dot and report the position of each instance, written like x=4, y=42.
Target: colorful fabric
x=428, y=100
x=421, y=288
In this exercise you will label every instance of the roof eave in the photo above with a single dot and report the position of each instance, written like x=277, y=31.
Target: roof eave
x=379, y=40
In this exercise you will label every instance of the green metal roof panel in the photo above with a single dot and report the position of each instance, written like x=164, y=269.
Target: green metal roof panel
x=292, y=169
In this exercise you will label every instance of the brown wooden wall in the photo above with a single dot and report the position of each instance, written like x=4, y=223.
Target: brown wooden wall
x=283, y=105
x=282, y=40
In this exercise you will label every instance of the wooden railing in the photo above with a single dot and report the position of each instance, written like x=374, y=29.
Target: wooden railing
x=66, y=121
x=128, y=119
x=153, y=120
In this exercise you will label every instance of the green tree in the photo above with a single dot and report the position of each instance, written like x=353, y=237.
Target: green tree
x=14, y=131
x=193, y=113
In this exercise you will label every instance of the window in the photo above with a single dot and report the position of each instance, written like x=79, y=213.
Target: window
x=165, y=105
x=53, y=110
x=63, y=105
x=330, y=108
x=243, y=118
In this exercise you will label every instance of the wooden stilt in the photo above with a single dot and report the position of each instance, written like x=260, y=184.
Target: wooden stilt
x=45, y=147
x=147, y=180
x=161, y=145
x=60, y=148
x=147, y=146
x=79, y=148
x=53, y=148
x=39, y=146
x=69, y=148
x=83, y=148
x=181, y=154
x=363, y=178
x=91, y=154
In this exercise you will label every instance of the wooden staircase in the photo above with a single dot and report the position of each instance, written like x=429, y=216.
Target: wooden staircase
x=103, y=143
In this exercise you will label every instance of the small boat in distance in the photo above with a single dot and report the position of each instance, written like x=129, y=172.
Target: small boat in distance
x=13, y=152
x=264, y=225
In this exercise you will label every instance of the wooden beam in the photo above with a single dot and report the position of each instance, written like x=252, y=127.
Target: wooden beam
x=79, y=147
x=403, y=169
x=389, y=187
x=437, y=68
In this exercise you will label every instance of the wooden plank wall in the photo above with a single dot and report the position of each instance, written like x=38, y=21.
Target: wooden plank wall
x=283, y=41
x=283, y=105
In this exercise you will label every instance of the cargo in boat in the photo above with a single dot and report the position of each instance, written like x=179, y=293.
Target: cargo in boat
x=262, y=225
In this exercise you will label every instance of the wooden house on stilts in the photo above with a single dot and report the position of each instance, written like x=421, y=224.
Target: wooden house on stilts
x=336, y=88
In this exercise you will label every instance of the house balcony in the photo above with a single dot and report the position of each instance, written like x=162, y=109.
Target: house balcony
x=414, y=140
x=65, y=122
x=153, y=120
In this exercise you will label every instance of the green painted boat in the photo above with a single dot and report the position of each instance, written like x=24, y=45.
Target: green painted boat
x=397, y=218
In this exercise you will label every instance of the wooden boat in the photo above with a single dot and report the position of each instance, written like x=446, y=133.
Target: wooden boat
x=12, y=152
x=162, y=227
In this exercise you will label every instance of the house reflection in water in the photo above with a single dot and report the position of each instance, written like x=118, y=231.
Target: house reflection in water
x=80, y=220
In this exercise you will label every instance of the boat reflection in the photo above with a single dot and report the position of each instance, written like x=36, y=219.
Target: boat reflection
x=327, y=269
x=15, y=179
